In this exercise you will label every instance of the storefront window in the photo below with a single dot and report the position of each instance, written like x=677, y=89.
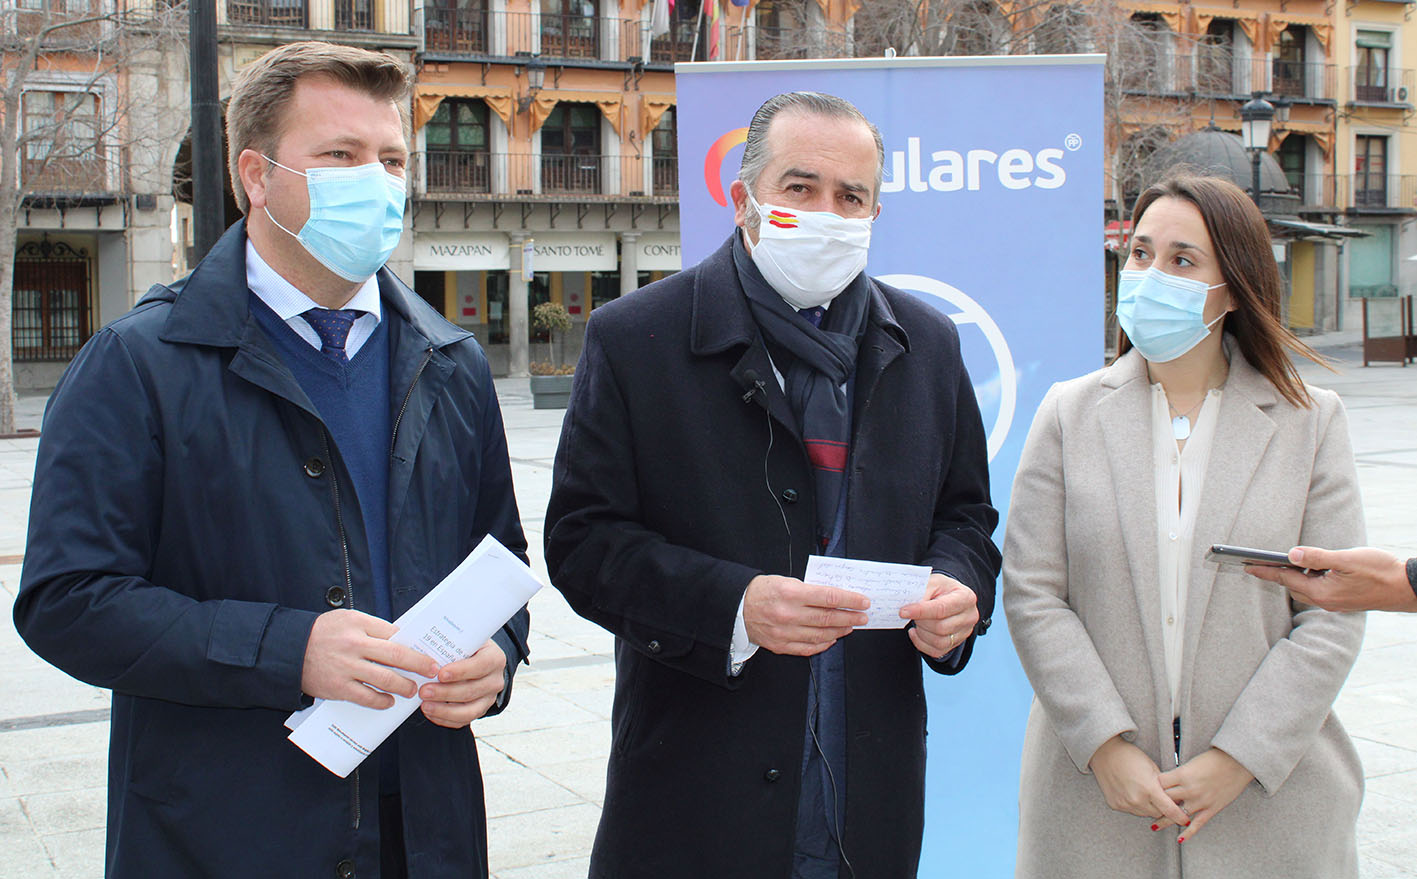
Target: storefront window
x=1370, y=263
x=497, y=283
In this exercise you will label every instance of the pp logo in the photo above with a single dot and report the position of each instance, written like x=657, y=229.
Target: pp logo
x=1073, y=142
x=964, y=311
x=713, y=162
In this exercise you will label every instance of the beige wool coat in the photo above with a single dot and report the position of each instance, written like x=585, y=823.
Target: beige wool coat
x=1260, y=674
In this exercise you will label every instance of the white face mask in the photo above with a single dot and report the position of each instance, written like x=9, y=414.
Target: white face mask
x=809, y=257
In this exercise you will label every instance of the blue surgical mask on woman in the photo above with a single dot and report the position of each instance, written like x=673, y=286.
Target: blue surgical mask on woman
x=1163, y=315
x=356, y=217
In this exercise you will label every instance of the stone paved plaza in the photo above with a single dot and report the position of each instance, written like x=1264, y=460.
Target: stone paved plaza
x=544, y=759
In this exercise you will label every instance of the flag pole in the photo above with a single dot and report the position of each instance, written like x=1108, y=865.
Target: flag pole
x=743, y=33
x=698, y=22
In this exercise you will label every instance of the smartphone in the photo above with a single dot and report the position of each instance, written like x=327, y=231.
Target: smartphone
x=1243, y=555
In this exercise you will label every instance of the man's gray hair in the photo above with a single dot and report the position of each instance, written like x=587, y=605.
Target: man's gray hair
x=755, y=151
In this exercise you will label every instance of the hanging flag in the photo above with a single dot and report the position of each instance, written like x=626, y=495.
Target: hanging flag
x=713, y=16
x=659, y=18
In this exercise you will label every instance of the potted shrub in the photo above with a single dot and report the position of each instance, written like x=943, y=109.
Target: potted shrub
x=551, y=378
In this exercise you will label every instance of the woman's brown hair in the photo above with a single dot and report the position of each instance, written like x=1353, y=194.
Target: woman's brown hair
x=1242, y=245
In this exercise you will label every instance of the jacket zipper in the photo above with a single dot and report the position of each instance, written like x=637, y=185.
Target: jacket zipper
x=348, y=589
x=344, y=544
x=393, y=438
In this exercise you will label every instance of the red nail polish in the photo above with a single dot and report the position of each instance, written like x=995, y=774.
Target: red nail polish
x=1187, y=824
x=1181, y=840
x=1156, y=827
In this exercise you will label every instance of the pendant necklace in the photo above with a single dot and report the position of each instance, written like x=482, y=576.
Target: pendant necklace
x=1181, y=424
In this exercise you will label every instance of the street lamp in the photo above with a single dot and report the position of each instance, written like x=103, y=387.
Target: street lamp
x=1282, y=106
x=535, y=78
x=1255, y=119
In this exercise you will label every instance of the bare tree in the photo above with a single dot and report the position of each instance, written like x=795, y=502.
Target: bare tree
x=1150, y=70
x=67, y=127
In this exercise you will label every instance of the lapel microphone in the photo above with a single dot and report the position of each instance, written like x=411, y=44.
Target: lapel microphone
x=758, y=386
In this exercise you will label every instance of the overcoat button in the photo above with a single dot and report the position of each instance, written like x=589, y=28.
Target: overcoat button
x=335, y=596
x=772, y=775
x=314, y=468
x=652, y=647
x=345, y=869
x=789, y=495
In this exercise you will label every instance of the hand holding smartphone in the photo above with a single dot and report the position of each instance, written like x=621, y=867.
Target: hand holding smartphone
x=1222, y=554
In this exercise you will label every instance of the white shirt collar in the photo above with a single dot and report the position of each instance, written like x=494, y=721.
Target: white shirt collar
x=286, y=300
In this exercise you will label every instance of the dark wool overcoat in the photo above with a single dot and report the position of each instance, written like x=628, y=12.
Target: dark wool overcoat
x=678, y=479
x=191, y=517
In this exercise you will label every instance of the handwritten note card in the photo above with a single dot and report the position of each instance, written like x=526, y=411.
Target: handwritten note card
x=889, y=586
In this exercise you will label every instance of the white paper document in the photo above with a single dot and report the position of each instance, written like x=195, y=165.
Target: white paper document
x=889, y=586
x=451, y=622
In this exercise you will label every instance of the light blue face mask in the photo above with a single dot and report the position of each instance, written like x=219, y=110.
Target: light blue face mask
x=356, y=217
x=1163, y=315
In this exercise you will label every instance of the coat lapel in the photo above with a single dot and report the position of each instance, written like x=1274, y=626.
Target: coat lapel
x=1243, y=432
x=418, y=372
x=883, y=341
x=212, y=308
x=1125, y=415
x=722, y=322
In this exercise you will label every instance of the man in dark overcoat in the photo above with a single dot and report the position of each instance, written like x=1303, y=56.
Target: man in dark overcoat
x=244, y=479
x=771, y=403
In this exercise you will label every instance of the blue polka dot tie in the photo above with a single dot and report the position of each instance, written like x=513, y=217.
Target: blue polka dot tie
x=332, y=326
x=814, y=315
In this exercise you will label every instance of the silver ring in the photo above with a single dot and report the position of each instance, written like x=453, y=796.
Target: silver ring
x=952, y=640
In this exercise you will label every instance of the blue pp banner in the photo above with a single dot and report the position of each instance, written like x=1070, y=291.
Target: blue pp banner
x=991, y=211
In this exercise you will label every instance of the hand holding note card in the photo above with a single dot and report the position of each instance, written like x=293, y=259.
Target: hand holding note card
x=889, y=586
x=451, y=622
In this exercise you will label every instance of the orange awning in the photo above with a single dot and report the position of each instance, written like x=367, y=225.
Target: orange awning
x=427, y=97
x=652, y=107
x=546, y=101
x=1247, y=19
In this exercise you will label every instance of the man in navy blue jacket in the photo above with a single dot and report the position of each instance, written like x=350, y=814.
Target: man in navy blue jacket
x=771, y=403
x=244, y=479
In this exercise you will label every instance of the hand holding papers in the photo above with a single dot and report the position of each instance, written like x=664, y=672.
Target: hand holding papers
x=889, y=586
x=450, y=623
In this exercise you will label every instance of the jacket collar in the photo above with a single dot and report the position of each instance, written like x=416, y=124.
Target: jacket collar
x=1243, y=379
x=721, y=318
x=211, y=306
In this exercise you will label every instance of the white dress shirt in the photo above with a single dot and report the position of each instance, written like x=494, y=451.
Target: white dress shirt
x=289, y=303
x=1180, y=476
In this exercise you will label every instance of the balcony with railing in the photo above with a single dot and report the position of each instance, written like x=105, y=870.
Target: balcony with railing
x=677, y=45
x=268, y=13
x=65, y=175
x=1381, y=86
x=458, y=171
x=1213, y=72
x=666, y=175
x=73, y=22
x=1359, y=193
x=479, y=33
x=1380, y=193
x=1300, y=80
x=468, y=175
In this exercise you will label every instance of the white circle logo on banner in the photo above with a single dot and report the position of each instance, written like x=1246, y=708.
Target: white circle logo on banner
x=971, y=312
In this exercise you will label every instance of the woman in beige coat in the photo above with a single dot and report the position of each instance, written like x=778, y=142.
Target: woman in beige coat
x=1182, y=725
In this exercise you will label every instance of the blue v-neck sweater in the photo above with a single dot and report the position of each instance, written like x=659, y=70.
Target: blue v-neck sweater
x=353, y=401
